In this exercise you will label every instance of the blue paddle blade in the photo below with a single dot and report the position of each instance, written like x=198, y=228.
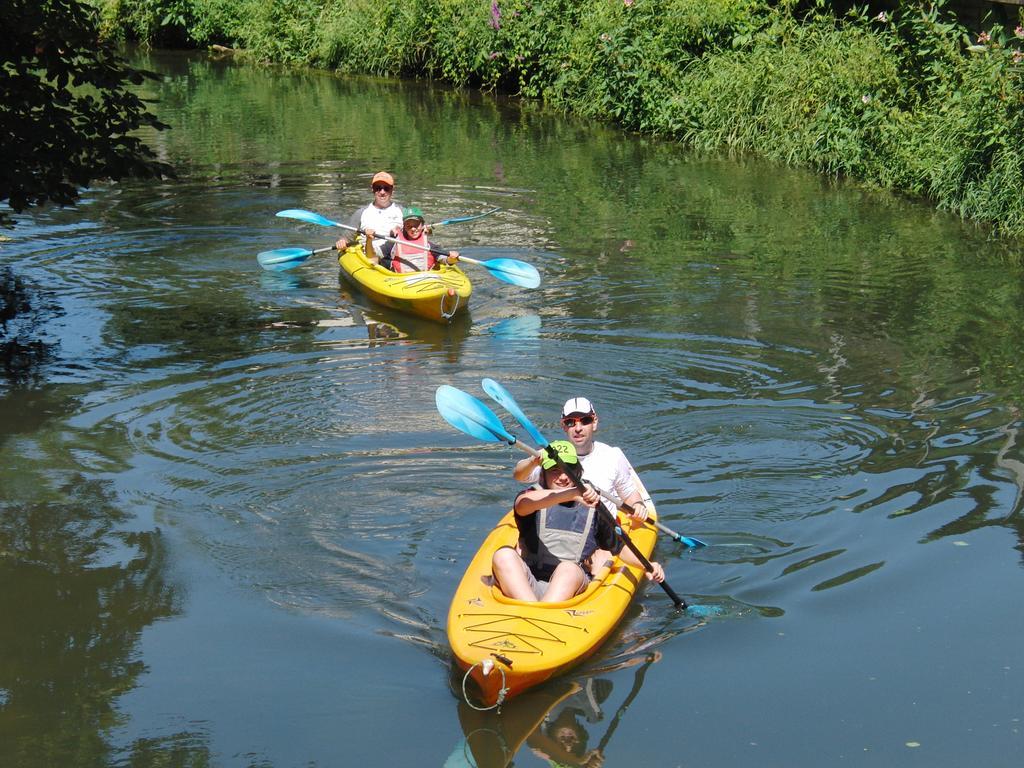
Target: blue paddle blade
x=469, y=415
x=513, y=271
x=283, y=258
x=522, y=328
x=690, y=541
x=308, y=216
x=458, y=219
x=501, y=396
x=704, y=611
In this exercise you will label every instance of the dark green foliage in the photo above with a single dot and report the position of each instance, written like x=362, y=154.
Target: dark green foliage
x=67, y=111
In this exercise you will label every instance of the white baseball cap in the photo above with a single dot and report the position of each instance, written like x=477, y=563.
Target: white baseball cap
x=577, y=405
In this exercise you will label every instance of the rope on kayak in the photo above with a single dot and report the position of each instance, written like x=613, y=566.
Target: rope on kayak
x=502, y=692
x=444, y=296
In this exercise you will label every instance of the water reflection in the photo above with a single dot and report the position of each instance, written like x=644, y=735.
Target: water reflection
x=524, y=327
x=557, y=722
x=445, y=339
x=78, y=593
x=24, y=311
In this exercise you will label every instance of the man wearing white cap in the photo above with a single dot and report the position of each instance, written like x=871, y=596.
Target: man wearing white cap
x=605, y=466
x=382, y=215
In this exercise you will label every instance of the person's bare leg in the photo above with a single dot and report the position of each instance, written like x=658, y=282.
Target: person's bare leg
x=510, y=572
x=565, y=582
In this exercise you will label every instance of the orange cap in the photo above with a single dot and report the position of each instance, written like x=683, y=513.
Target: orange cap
x=383, y=176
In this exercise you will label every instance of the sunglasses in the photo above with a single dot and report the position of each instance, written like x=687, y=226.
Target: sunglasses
x=569, y=422
x=382, y=187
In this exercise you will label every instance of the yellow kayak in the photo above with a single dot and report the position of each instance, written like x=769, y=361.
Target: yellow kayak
x=438, y=295
x=508, y=646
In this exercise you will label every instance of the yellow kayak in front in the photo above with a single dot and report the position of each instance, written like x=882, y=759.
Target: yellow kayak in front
x=439, y=294
x=508, y=646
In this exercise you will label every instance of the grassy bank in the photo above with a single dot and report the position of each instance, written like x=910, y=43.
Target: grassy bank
x=903, y=99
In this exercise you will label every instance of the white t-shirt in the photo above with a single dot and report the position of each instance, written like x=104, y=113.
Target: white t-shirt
x=381, y=220
x=607, y=468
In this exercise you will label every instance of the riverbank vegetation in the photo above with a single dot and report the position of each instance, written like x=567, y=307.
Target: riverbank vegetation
x=901, y=97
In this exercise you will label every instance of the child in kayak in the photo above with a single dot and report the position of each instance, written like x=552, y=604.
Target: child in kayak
x=409, y=251
x=560, y=528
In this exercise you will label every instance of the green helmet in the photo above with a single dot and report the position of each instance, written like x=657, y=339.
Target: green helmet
x=566, y=452
x=412, y=212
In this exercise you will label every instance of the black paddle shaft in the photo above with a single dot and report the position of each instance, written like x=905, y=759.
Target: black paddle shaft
x=577, y=478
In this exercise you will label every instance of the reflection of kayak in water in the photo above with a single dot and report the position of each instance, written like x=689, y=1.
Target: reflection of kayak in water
x=552, y=719
x=508, y=646
x=437, y=295
x=562, y=737
x=492, y=739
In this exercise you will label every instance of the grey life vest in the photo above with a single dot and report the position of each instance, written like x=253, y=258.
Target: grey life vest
x=563, y=533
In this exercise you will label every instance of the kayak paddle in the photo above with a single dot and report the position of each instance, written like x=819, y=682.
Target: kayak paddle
x=510, y=270
x=460, y=219
x=285, y=258
x=501, y=396
x=471, y=416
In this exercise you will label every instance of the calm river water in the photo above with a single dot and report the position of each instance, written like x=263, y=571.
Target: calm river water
x=232, y=520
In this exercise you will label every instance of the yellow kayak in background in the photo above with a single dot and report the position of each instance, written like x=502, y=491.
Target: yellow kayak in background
x=439, y=294
x=508, y=646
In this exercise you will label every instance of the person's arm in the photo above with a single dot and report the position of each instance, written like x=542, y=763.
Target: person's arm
x=524, y=469
x=627, y=489
x=534, y=499
x=656, y=574
x=608, y=538
x=368, y=249
x=636, y=501
x=387, y=256
x=346, y=240
x=451, y=258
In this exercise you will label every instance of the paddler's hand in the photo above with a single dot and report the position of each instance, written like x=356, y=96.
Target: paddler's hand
x=342, y=243
x=656, y=574
x=453, y=256
x=639, y=513
x=369, y=234
x=589, y=496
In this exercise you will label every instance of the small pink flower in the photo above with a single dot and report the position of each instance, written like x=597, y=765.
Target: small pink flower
x=1018, y=57
x=605, y=37
x=1019, y=31
x=866, y=99
x=984, y=37
x=495, y=15
x=494, y=55
x=882, y=17
x=627, y=3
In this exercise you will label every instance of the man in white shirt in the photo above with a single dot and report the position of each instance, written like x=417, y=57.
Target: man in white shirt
x=605, y=466
x=382, y=215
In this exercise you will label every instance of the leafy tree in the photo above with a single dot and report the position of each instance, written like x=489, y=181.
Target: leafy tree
x=67, y=111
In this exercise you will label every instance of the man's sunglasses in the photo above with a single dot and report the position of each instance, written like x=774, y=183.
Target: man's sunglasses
x=382, y=187
x=569, y=422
